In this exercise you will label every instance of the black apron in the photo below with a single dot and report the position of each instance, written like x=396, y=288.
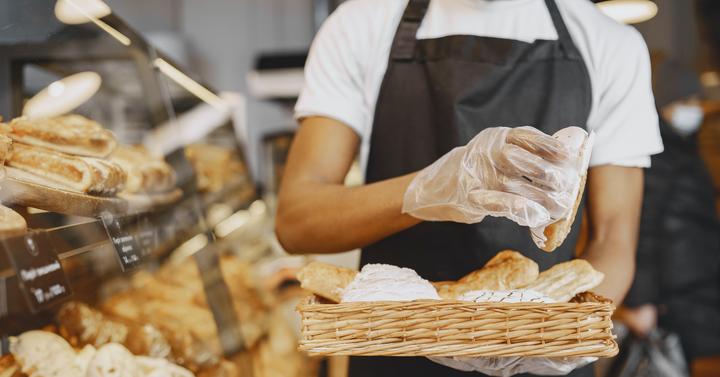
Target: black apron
x=438, y=94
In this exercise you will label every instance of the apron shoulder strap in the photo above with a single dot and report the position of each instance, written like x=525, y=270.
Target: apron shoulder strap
x=564, y=37
x=403, y=47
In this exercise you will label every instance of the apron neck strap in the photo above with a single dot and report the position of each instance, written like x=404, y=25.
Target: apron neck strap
x=563, y=35
x=403, y=47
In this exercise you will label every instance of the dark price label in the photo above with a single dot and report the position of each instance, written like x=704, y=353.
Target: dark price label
x=129, y=252
x=38, y=270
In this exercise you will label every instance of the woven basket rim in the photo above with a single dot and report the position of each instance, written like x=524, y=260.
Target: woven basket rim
x=315, y=301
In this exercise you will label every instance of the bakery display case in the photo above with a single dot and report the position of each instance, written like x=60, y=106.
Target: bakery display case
x=131, y=234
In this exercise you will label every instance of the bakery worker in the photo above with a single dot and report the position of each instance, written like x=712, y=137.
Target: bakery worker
x=401, y=83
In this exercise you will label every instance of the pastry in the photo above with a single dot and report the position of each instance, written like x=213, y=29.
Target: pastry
x=11, y=223
x=146, y=173
x=325, y=280
x=79, y=174
x=505, y=271
x=8, y=366
x=49, y=168
x=590, y=297
x=5, y=148
x=82, y=325
x=113, y=360
x=108, y=177
x=213, y=165
x=31, y=350
x=554, y=234
x=158, y=367
x=72, y=134
x=565, y=280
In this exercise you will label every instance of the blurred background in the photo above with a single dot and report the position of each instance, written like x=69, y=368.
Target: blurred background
x=220, y=78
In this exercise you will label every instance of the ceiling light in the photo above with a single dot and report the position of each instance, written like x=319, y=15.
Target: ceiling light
x=63, y=96
x=73, y=12
x=629, y=11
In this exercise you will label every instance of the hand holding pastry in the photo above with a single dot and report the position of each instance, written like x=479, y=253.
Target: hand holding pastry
x=518, y=173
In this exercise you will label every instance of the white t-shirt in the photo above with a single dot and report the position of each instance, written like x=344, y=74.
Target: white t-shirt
x=349, y=56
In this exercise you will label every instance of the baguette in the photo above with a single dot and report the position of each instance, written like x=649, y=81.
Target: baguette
x=48, y=168
x=58, y=170
x=72, y=134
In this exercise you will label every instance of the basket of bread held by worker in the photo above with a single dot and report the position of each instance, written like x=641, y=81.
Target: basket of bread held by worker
x=506, y=308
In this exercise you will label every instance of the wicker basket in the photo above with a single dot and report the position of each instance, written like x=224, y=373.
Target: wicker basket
x=457, y=328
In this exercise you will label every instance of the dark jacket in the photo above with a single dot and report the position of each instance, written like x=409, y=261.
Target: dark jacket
x=678, y=260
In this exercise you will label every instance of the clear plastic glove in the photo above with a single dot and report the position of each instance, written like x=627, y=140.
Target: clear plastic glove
x=519, y=173
x=509, y=366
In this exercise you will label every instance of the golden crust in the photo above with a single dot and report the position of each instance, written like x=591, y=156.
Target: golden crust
x=108, y=178
x=146, y=173
x=506, y=270
x=325, y=280
x=72, y=134
x=52, y=168
x=565, y=280
x=59, y=170
x=6, y=148
x=556, y=232
x=11, y=222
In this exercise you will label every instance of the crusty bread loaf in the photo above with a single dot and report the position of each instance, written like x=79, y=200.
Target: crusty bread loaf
x=506, y=270
x=565, y=280
x=325, y=280
x=72, y=134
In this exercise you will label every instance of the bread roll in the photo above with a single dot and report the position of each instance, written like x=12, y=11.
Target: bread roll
x=505, y=271
x=325, y=280
x=565, y=280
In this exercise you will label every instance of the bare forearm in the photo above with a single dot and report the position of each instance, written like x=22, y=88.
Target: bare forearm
x=329, y=218
x=615, y=260
x=614, y=202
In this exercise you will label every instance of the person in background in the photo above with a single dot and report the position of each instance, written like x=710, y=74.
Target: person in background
x=676, y=284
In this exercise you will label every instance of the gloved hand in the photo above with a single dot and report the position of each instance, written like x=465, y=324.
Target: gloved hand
x=509, y=366
x=518, y=173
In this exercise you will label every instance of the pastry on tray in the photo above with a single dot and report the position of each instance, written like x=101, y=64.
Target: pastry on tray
x=5, y=148
x=58, y=170
x=213, y=165
x=146, y=173
x=11, y=223
x=72, y=134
